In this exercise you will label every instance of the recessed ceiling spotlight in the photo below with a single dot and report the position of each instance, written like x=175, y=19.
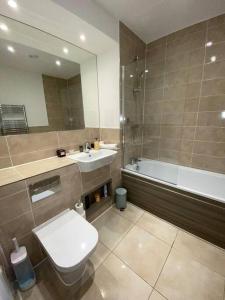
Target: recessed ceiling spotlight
x=131, y=75
x=146, y=71
x=12, y=3
x=65, y=50
x=209, y=44
x=58, y=62
x=213, y=58
x=4, y=27
x=11, y=49
x=82, y=37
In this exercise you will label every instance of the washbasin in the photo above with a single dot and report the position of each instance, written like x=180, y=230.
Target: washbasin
x=94, y=159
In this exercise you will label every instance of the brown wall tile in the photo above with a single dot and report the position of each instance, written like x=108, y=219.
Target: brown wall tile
x=210, y=163
x=72, y=139
x=13, y=205
x=109, y=135
x=205, y=133
x=211, y=119
x=4, y=154
x=190, y=93
x=21, y=144
x=3, y=147
x=209, y=148
x=213, y=87
x=216, y=34
x=5, y=162
x=215, y=50
x=212, y=103
x=214, y=70
x=18, y=227
x=28, y=147
x=217, y=21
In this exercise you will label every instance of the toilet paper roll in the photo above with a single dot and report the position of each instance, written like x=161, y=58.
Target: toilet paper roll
x=80, y=209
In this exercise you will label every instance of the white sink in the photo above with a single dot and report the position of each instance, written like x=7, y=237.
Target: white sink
x=94, y=159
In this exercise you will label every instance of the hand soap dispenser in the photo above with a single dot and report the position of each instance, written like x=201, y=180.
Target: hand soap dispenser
x=22, y=267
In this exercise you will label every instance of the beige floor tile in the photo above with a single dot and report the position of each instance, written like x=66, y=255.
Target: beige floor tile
x=115, y=281
x=185, y=279
x=38, y=292
x=111, y=228
x=144, y=253
x=44, y=288
x=204, y=252
x=158, y=228
x=156, y=296
x=132, y=212
x=99, y=255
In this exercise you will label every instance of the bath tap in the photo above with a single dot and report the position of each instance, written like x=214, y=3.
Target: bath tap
x=134, y=160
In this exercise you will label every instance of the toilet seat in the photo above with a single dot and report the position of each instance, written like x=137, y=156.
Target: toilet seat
x=68, y=239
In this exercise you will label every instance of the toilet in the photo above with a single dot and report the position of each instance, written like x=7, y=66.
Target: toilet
x=68, y=240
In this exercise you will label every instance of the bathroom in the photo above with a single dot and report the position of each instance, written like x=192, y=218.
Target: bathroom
x=96, y=96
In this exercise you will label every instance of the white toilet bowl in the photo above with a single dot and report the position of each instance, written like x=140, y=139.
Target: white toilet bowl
x=69, y=240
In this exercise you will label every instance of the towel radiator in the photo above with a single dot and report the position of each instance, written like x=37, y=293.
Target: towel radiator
x=13, y=119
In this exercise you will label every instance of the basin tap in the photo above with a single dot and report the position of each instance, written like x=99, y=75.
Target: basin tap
x=87, y=148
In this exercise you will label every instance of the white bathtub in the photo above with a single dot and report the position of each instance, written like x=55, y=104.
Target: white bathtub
x=209, y=184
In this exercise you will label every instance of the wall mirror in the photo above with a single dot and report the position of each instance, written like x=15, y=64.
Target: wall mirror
x=46, y=84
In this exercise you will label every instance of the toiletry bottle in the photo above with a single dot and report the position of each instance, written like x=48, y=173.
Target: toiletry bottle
x=22, y=267
x=105, y=191
x=96, y=144
x=97, y=196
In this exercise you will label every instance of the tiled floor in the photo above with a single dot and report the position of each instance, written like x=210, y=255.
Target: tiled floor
x=141, y=257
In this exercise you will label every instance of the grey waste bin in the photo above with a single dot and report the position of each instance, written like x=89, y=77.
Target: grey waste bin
x=121, y=198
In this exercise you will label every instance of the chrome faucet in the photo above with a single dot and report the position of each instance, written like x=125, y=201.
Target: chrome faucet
x=87, y=148
x=134, y=162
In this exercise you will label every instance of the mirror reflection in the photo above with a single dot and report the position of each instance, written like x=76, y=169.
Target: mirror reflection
x=46, y=84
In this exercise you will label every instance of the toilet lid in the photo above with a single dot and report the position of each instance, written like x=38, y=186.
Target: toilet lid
x=68, y=239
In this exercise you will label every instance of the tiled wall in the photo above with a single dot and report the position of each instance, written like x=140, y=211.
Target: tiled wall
x=53, y=100
x=73, y=109
x=19, y=149
x=185, y=97
x=130, y=47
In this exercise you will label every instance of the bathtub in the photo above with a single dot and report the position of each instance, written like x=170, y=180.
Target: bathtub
x=200, y=182
x=189, y=198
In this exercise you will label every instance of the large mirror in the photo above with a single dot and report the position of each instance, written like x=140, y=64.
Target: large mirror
x=46, y=84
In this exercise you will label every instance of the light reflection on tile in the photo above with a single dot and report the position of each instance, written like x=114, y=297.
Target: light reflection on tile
x=183, y=278
x=144, y=254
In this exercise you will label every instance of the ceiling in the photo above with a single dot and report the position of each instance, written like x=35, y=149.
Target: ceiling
x=61, y=22
x=152, y=19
